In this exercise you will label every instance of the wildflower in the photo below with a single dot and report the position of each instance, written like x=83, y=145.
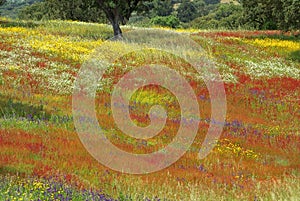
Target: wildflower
x=274, y=43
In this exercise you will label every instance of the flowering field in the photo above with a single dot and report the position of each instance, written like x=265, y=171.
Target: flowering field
x=42, y=158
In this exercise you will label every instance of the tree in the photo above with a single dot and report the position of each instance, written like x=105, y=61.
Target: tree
x=78, y=10
x=162, y=8
x=36, y=11
x=118, y=12
x=189, y=10
x=292, y=15
x=272, y=14
x=259, y=13
x=227, y=15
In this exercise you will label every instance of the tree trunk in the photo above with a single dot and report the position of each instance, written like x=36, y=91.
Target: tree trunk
x=115, y=17
x=117, y=29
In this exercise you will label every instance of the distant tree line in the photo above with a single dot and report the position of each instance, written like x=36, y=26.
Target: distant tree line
x=272, y=14
x=246, y=14
x=11, y=8
x=77, y=10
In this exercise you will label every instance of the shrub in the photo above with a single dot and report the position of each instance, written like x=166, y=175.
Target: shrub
x=168, y=21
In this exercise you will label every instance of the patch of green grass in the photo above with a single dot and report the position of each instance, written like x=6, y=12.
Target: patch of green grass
x=78, y=29
x=295, y=56
x=69, y=28
x=20, y=169
x=292, y=37
x=10, y=108
x=19, y=23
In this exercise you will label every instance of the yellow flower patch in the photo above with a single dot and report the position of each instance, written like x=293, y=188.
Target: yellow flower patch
x=274, y=43
x=66, y=47
x=228, y=148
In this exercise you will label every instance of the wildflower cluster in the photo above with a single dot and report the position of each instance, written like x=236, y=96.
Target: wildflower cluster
x=274, y=43
x=271, y=68
x=228, y=148
x=66, y=47
x=18, y=189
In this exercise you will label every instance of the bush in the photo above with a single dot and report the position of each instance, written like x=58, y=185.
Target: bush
x=226, y=16
x=206, y=22
x=168, y=21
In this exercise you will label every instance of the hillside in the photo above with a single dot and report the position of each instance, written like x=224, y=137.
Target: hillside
x=11, y=7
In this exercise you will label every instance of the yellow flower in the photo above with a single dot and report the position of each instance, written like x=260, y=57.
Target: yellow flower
x=274, y=43
x=67, y=47
x=233, y=149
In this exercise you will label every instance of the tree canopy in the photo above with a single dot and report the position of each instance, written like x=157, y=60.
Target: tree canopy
x=227, y=16
x=78, y=10
x=189, y=10
x=272, y=14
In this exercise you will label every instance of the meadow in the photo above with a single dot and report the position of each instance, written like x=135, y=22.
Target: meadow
x=42, y=157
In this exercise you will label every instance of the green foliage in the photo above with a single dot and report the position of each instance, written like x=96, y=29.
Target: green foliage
x=295, y=55
x=189, y=10
x=140, y=21
x=118, y=11
x=272, y=14
x=11, y=8
x=226, y=16
x=291, y=15
x=79, y=10
x=36, y=11
x=10, y=108
x=150, y=12
x=162, y=8
x=293, y=36
x=254, y=14
x=229, y=16
x=212, y=1
x=212, y=14
x=169, y=21
x=258, y=14
x=156, y=8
